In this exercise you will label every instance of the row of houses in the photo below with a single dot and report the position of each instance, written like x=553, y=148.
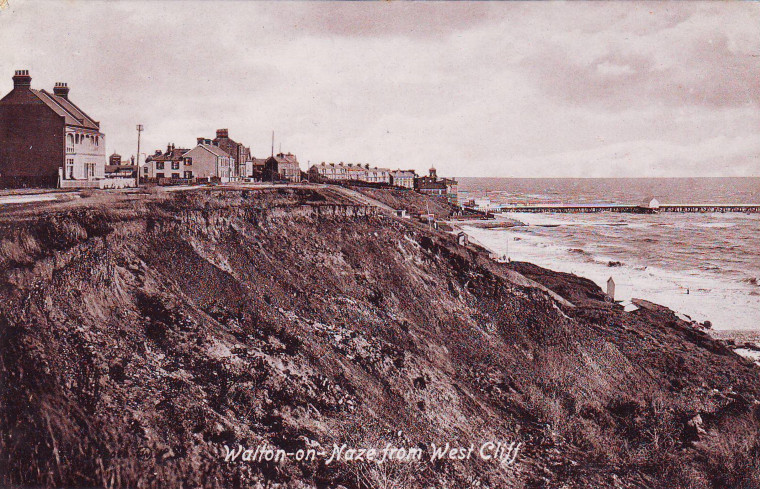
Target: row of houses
x=46, y=140
x=429, y=184
x=222, y=159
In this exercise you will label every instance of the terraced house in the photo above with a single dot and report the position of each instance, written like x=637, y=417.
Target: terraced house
x=169, y=164
x=283, y=166
x=46, y=140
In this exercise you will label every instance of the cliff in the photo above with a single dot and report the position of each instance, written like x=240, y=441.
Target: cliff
x=139, y=337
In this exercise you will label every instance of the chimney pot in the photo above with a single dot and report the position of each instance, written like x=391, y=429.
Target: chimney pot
x=21, y=78
x=61, y=89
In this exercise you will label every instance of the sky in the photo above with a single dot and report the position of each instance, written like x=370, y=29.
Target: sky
x=475, y=89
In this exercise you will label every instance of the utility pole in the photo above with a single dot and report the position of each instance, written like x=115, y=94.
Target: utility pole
x=272, y=144
x=140, y=128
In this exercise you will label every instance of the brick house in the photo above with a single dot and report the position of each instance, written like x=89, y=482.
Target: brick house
x=207, y=160
x=46, y=138
x=282, y=166
x=432, y=185
x=241, y=154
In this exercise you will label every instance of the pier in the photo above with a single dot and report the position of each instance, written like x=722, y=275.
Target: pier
x=631, y=209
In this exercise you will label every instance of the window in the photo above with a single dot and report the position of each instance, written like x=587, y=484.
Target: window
x=159, y=166
x=175, y=165
x=70, y=165
x=188, y=162
x=188, y=174
x=69, y=143
x=97, y=140
x=159, y=175
x=175, y=176
x=77, y=138
x=90, y=170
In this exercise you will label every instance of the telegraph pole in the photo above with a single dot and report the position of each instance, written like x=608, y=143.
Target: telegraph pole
x=140, y=128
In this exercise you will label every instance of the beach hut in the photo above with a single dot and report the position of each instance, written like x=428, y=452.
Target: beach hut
x=650, y=204
x=611, y=289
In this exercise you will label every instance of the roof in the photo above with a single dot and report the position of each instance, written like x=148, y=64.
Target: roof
x=215, y=150
x=174, y=154
x=431, y=185
x=72, y=114
x=285, y=158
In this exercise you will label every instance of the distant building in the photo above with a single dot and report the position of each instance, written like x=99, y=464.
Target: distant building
x=170, y=164
x=378, y=175
x=283, y=166
x=240, y=153
x=452, y=189
x=350, y=172
x=432, y=185
x=46, y=138
x=207, y=160
x=403, y=178
x=118, y=168
x=329, y=171
x=481, y=204
x=356, y=172
x=258, y=167
x=114, y=159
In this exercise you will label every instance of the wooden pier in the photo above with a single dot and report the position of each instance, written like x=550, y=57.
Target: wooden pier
x=631, y=209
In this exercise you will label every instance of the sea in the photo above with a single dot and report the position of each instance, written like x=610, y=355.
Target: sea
x=706, y=267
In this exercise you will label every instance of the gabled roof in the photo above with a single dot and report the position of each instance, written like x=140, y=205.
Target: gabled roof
x=285, y=158
x=72, y=114
x=215, y=150
x=173, y=155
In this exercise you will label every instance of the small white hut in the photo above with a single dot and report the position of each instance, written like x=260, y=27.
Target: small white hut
x=650, y=203
x=611, y=289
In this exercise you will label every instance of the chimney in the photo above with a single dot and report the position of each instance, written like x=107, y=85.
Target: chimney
x=168, y=149
x=222, y=133
x=61, y=89
x=22, y=79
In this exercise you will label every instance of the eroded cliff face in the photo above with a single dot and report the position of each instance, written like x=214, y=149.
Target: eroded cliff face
x=138, y=340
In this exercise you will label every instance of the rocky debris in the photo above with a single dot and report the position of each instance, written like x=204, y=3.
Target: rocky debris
x=138, y=341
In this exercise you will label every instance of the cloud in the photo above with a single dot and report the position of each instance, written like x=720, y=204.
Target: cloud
x=474, y=88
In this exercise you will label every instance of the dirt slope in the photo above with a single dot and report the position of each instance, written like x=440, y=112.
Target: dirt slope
x=137, y=339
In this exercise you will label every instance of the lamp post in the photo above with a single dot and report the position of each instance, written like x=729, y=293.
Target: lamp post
x=139, y=131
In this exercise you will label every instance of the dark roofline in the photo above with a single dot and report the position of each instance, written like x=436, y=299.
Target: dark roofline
x=49, y=98
x=97, y=123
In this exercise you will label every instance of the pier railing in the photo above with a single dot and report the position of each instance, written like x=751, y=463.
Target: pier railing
x=633, y=209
